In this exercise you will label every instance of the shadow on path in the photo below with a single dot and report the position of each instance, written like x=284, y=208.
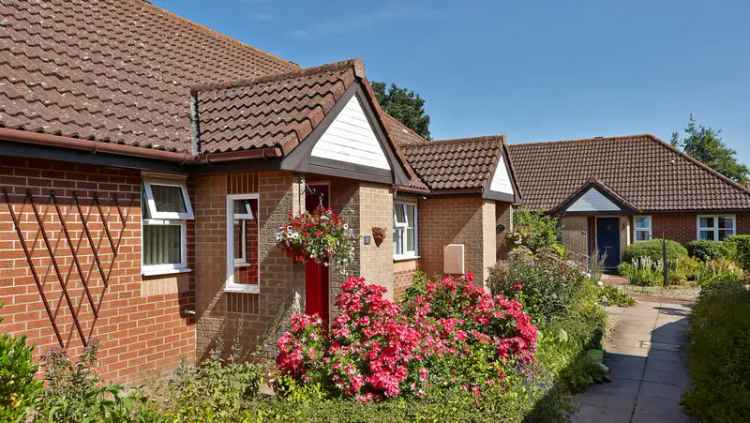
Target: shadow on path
x=645, y=352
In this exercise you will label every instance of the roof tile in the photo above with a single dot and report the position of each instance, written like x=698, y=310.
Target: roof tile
x=643, y=170
x=112, y=70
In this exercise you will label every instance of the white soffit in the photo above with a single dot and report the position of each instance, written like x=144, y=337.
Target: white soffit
x=351, y=139
x=501, y=179
x=593, y=201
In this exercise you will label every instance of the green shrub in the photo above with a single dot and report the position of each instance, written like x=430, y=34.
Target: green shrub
x=645, y=271
x=717, y=271
x=653, y=250
x=741, y=245
x=74, y=393
x=547, y=285
x=535, y=231
x=710, y=250
x=211, y=392
x=611, y=295
x=18, y=388
x=718, y=355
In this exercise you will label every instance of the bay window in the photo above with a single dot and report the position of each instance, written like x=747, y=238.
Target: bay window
x=716, y=227
x=642, y=228
x=404, y=230
x=166, y=208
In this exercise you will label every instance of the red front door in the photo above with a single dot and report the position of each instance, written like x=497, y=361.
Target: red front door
x=316, y=274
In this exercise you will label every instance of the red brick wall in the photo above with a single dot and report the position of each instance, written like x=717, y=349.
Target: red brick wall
x=237, y=323
x=139, y=326
x=682, y=227
x=457, y=220
x=403, y=276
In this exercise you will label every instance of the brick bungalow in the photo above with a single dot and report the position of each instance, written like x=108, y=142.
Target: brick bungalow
x=611, y=192
x=146, y=163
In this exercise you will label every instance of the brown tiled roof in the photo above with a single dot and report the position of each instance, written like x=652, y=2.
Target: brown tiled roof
x=400, y=133
x=643, y=170
x=115, y=71
x=455, y=165
x=274, y=111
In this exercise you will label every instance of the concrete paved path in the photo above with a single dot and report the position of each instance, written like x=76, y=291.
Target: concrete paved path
x=648, y=367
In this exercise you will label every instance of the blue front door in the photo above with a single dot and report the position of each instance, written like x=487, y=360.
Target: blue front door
x=608, y=241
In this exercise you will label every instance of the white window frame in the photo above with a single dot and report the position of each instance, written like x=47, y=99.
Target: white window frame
x=636, y=229
x=715, y=228
x=151, y=203
x=248, y=215
x=164, y=269
x=230, y=285
x=407, y=254
x=166, y=218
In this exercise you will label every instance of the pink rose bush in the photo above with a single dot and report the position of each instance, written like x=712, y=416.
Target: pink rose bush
x=377, y=350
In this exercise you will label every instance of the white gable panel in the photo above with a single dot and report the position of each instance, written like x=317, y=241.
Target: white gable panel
x=501, y=179
x=351, y=139
x=593, y=200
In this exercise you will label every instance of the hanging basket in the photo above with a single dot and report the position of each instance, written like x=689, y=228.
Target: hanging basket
x=321, y=236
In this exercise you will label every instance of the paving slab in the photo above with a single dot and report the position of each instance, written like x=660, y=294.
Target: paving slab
x=648, y=367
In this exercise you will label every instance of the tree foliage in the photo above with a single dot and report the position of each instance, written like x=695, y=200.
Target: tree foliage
x=705, y=144
x=404, y=105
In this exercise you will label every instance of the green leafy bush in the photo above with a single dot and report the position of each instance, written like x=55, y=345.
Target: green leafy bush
x=211, y=392
x=645, y=271
x=547, y=285
x=718, y=355
x=535, y=231
x=717, y=271
x=653, y=250
x=74, y=393
x=611, y=295
x=710, y=250
x=18, y=388
x=741, y=245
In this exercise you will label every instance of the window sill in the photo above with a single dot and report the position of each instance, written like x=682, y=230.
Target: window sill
x=405, y=258
x=162, y=271
x=243, y=289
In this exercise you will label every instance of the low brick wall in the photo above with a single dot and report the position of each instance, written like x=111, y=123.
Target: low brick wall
x=138, y=323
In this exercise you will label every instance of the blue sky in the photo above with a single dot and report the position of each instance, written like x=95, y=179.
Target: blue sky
x=532, y=70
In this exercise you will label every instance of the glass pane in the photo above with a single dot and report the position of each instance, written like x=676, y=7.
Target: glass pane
x=725, y=234
x=239, y=227
x=411, y=239
x=411, y=213
x=168, y=198
x=706, y=235
x=706, y=222
x=642, y=236
x=398, y=241
x=642, y=222
x=244, y=207
x=161, y=244
x=726, y=223
x=399, y=214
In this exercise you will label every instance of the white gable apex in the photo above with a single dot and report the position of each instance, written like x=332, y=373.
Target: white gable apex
x=501, y=179
x=593, y=200
x=351, y=139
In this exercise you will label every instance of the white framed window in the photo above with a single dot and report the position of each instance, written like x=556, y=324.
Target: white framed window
x=404, y=230
x=167, y=199
x=243, y=229
x=716, y=227
x=166, y=208
x=642, y=229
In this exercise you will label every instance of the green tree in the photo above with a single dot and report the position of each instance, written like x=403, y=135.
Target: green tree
x=705, y=144
x=405, y=105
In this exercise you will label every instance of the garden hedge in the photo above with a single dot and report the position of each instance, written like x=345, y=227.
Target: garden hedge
x=653, y=249
x=711, y=250
x=742, y=255
x=718, y=355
